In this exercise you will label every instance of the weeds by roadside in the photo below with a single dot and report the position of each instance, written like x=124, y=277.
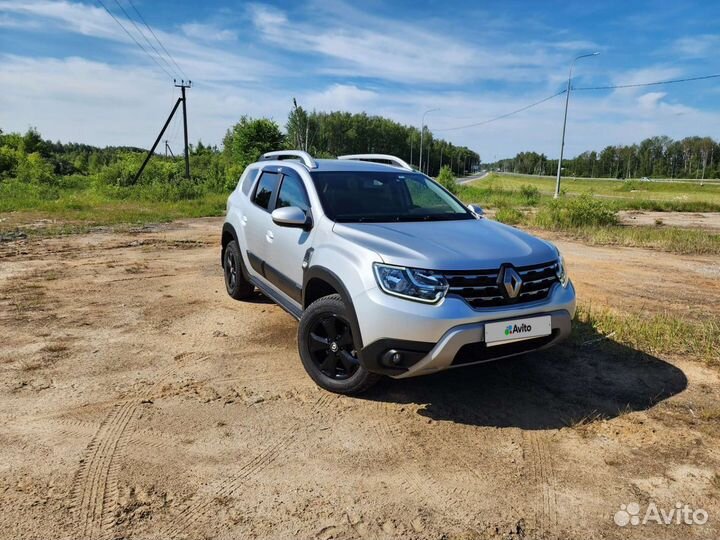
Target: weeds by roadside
x=663, y=333
x=672, y=239
x=588, y=219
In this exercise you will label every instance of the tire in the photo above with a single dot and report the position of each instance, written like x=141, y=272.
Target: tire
x=328, y=348
x=236, y=284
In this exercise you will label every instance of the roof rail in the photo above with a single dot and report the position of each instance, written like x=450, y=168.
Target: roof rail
x=306, y=158
x=381, y=158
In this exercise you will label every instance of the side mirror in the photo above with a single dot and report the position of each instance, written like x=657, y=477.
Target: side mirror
x=474, y=208
x=291, y=216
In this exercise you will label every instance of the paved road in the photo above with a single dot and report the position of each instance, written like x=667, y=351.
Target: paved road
x=656, y=180
x=472, y=178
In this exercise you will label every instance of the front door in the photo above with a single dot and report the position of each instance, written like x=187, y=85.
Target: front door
x=257, y=222
x=287, y=245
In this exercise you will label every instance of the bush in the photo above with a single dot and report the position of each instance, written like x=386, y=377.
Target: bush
x=509, y=216
x=629, y=185
x=582, y=211
x=531, y=194
x=32, y=168
x=446, y=179
x=122, y=172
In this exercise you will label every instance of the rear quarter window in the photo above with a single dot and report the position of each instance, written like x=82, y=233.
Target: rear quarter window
x=247, y=180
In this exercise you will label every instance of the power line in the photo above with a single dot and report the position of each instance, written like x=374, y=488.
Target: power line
x=656, y=83
x=610, y=87
x=525, y=108
x=158, y=39
x=133, y=38
x=127, y=15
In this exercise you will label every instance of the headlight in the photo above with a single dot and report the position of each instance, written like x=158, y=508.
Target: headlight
x=561, y=271
x=411, y=283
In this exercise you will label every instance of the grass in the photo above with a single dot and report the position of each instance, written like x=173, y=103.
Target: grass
x=628, y=195
x=47, y=211
x=664, y=333
x=671, y=239
x=79, y=204
x=585, y=217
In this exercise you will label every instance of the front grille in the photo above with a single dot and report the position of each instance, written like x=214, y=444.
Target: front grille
x=483, y=288
x=480, y=352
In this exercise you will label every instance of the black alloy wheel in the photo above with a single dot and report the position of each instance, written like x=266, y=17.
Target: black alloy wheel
x=332, y=349
x=231, y=270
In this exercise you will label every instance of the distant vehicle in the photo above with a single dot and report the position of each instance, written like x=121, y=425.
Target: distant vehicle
x=387, y=272
x=645, y=179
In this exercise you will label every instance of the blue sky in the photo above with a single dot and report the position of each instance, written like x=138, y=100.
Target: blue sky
x=69, y=69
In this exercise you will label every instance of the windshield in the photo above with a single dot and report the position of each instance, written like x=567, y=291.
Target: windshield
x=361, y=196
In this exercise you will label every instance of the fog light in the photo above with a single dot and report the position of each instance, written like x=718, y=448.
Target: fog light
x=392, y=358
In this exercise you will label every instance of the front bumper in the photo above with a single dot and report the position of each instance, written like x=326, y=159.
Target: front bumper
x=433, y=338
x=465, y=345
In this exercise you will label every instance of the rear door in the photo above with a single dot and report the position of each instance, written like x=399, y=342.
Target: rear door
x=287, y=245
x=257, y=222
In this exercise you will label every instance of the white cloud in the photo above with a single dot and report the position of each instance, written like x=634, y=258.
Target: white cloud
x=342, y=97
x=697, y=46
x=201, y=61
x=102, y=104
x=379, y=48
x=208, y=32
x=651, y=100
x=6, y=21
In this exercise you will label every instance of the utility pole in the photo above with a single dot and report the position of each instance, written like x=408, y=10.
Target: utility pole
x=422, y=132
x=182, y=87
x=150, y=153
x=567, y=101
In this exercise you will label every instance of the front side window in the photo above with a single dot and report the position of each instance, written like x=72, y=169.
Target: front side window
x=292, y=193
x=361, y=196
x=267, y=185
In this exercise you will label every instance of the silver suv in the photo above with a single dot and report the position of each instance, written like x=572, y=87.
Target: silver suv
x=387, y=272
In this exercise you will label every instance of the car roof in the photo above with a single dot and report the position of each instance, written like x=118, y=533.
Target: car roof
x=341, y=165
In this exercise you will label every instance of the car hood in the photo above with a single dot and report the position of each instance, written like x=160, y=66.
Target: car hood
x=472, y=244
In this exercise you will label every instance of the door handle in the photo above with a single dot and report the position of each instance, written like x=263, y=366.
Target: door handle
x=269, y=236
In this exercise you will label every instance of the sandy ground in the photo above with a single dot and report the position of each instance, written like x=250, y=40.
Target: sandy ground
x=709, y=221
x=137, y=400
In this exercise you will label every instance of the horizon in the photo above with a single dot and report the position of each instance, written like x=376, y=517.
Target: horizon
x=472, y=67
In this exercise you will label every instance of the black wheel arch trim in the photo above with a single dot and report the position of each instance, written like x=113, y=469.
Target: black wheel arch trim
x=332, y=279
x=227, y=228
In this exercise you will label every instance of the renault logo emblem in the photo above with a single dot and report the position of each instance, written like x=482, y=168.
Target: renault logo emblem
x=512, y=282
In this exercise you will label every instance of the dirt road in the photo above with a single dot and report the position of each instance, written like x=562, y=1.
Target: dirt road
x=137, y=400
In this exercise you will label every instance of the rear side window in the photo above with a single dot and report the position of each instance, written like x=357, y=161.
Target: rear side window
x=247, y=182
x=292, y=193
x=266, y=188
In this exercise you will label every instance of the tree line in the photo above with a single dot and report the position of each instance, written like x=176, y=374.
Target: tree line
x=327, y=134
x=655, y=157
x=30, y=159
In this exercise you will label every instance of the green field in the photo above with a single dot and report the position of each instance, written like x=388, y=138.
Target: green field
x=587, y=211
x=84, y=204
x=622, y=195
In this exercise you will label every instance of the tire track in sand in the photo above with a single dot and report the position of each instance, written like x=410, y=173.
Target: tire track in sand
x=542, y=471
x=94, y=492
x=203, y=506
